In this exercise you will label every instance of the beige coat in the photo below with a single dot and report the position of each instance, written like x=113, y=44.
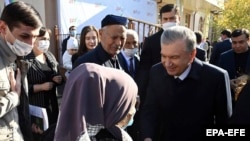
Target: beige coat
x=9, y=127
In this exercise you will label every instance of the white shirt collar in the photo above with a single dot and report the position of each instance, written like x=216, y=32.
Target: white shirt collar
x=184, y=74
x=198, y=45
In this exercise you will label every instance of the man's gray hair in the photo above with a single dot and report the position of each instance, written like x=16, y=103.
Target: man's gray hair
x=133, y=33
x=179, y=33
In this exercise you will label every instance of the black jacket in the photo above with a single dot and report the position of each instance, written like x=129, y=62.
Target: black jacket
x=218, y=49
x=64, y=44
x=98, y=56
x=171, y=108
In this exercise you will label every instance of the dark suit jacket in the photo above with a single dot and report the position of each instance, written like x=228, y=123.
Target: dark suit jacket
x=98, y=56
x=227, y=62
x=218, y=49
x=124, y=64
x=201, y=54
x=183, y=110
x=64, y=44
x=151, y=50
x=150, y=55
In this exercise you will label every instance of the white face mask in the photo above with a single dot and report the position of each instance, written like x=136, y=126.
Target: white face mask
x=168, y=25
x=20, y=48
x=130, y=52
x=43, y=45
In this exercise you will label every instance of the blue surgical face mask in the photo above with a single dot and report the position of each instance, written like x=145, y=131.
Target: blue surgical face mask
x=72, y=33
x=130, y=123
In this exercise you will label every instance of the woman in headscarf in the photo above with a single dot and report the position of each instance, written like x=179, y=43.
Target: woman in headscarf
x=96, y=99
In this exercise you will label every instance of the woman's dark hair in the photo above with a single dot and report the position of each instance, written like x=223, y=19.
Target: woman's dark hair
x=43, y=30
x=82, y=47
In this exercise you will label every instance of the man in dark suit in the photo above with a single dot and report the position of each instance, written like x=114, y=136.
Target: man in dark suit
x=72, y=33
x=184, y=95
x=112, y=39
x=128, y=57
x=221, y=47
x=129, y=61
x=151, y=48
x=237, y=60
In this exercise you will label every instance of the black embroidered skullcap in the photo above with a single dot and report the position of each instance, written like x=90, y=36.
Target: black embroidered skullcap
x=113, y=19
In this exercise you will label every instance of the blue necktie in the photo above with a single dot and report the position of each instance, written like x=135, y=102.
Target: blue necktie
x=131, y=67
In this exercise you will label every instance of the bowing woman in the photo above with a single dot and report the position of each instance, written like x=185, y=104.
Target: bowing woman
x=43, y=77
x=98, y=103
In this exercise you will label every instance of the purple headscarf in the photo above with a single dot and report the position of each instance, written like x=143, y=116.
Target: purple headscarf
x=94, y=94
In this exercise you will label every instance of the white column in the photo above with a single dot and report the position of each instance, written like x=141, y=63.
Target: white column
x=180, y=5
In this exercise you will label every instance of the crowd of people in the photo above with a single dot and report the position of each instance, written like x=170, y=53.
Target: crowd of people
x=173, y=90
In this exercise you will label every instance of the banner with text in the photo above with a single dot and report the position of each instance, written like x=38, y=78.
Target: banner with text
x=90, y=12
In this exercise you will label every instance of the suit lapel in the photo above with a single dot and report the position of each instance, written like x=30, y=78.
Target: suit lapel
x=122, y=62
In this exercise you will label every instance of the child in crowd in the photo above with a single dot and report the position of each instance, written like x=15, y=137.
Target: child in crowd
x=72, y=48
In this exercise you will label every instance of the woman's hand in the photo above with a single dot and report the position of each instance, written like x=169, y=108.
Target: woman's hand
x=57, y=79
x=47, y=86
x=36, y=129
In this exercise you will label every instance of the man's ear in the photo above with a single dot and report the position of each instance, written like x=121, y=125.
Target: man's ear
x=193, y=53
x=3, y=27
x=100, y=32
